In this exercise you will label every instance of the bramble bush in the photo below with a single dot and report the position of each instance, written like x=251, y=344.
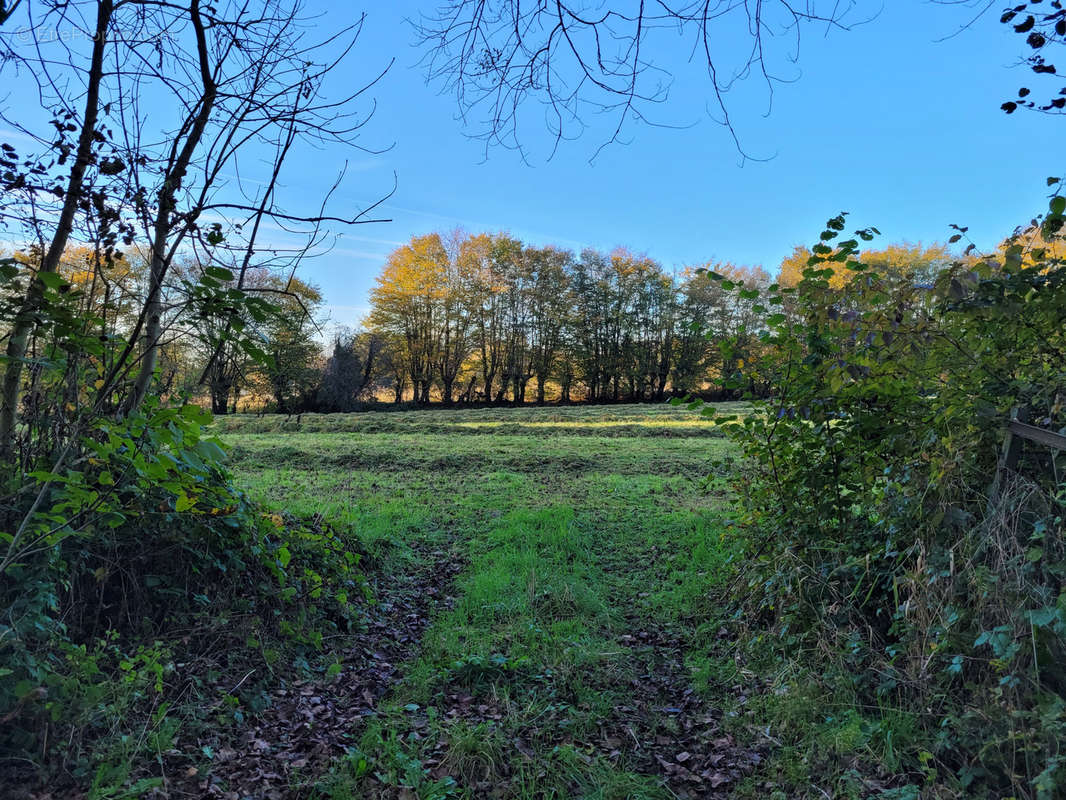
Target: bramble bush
x=107, y=627
x=912, y=615
x=132, y=573
x=128, y=560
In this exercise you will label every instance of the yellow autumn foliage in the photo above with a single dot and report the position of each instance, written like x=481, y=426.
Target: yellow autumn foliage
x=904, y=257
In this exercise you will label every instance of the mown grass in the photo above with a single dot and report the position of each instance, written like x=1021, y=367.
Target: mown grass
x=621, y=420
x=576, y=525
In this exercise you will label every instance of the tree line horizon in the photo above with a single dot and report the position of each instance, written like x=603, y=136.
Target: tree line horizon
x=464, y=319
x=486, y=319
x=461, y=318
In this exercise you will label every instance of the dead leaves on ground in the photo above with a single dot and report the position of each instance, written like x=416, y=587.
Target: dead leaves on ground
x=664, y=729
x=308, y=724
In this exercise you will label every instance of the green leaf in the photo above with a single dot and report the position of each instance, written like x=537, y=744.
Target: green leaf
x=51, y=279
x=1043, y=617
x=194, y=413
x=184, y=502
x=221, y=273
x=43, y=476
x=284, y=556
x=210, y=450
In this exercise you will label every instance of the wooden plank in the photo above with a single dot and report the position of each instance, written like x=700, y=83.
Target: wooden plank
x=1034, y=434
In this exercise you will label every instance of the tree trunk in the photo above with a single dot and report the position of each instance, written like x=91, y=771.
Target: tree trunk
x=220, y=398
x=24, y=320
x=153, y=310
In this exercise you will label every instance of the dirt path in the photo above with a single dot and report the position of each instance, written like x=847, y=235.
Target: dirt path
x=669, y=730
x=614, y=716
x=308, y=724
x=652, y=725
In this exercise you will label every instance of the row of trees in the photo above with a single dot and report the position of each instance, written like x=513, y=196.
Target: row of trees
x=464, y=318
x=457, y=318
x=485, y=318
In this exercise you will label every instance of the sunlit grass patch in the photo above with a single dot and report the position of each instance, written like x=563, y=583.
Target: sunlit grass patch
x=615, y=420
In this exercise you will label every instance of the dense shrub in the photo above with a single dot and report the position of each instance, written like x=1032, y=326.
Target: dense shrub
x=915, y=611
x=143, y=558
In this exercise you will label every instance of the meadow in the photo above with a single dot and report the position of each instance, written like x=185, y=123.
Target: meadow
x=562, y=559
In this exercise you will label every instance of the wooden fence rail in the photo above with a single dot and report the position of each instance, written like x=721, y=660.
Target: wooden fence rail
x=1019, y=431
x=1035, y=434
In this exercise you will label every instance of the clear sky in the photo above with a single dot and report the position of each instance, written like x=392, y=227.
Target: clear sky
x=885, y=121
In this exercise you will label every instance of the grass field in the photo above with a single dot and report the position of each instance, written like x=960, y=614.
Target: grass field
x=561, y=662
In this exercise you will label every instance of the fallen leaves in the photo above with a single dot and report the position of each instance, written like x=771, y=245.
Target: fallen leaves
x=308, y=724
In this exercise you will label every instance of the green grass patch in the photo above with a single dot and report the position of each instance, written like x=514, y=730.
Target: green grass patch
x=576, y=524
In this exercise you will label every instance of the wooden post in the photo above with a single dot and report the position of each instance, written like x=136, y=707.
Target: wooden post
x=1012, y=443
x=1008, y=455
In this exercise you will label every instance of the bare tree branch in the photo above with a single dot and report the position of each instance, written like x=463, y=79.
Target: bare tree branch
x=500, y=56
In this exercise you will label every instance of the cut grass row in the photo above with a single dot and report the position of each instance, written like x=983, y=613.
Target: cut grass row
x=659, y=420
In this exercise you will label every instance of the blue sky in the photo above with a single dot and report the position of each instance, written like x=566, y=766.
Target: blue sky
x=883, y=121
